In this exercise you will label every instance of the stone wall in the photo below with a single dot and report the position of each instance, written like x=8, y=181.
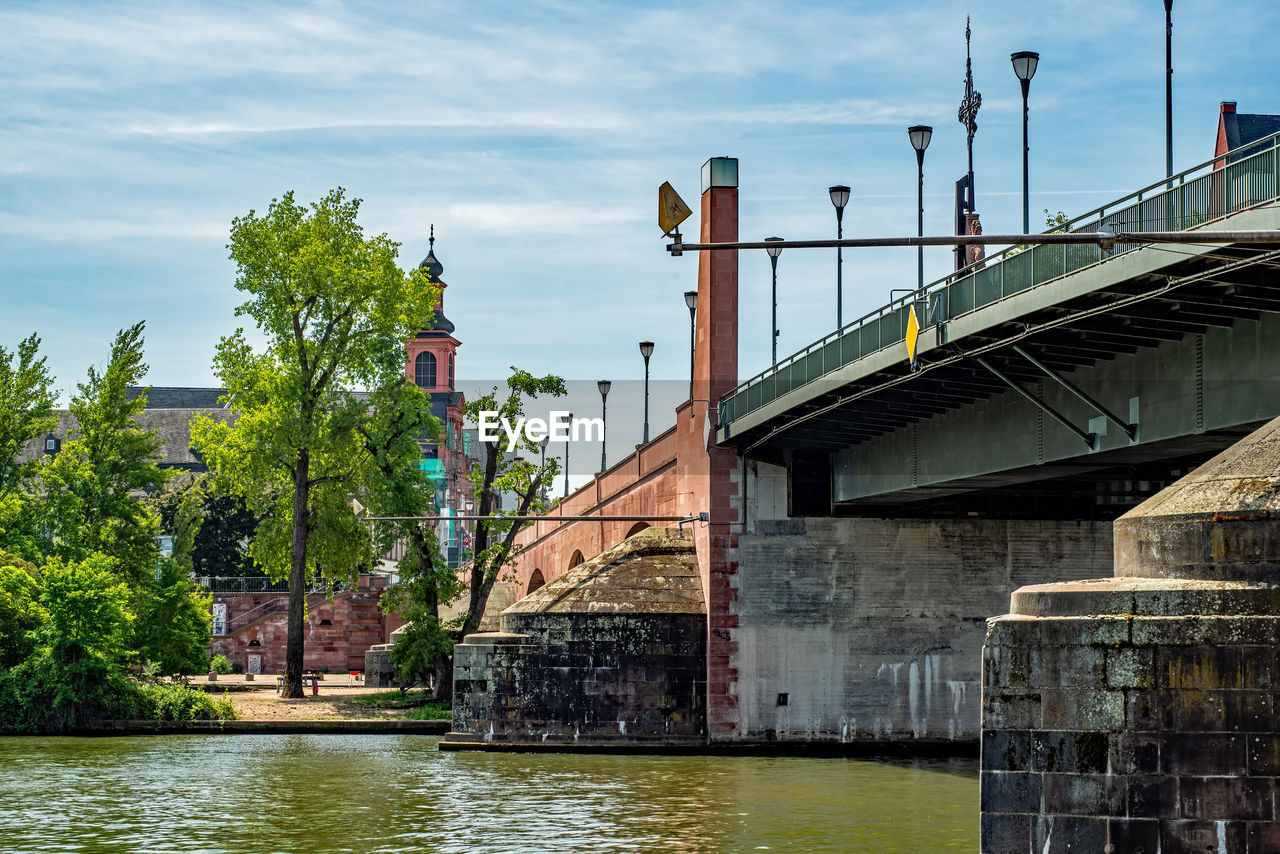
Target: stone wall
x=336, y=633
x=1146, y=725
x=614, y=651
x=852, y=629
x=580, y=678
x=1139, y=712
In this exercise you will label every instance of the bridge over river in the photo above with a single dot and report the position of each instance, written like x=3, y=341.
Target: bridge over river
x=867, y=517
x=1062, y=381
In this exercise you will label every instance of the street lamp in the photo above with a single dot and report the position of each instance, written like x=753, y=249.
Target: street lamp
x=774, y=252
x=568, y=436
x=1168, y=88
x=691, y=300
x=1024, y=66
x=542, y=467
x=839, y=197
x=646, y=350
x=920, y=136
x=604, y=386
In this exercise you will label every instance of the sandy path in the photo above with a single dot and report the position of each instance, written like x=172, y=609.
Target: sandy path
x=266, y=705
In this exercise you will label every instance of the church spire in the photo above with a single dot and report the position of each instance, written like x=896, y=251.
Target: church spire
x=431, y=264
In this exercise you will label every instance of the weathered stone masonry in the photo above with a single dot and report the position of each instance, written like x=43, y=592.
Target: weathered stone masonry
x=612, y=652
x=1139, y=712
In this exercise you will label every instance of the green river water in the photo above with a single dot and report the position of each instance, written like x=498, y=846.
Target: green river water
x=317, y=793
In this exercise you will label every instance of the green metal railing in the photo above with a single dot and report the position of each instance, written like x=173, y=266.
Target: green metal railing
x=1242, y=179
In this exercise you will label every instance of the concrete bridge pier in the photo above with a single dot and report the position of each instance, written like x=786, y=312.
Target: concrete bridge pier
x=862, y=630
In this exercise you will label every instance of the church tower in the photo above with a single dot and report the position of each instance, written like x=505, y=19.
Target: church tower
x=430, y=362
x=433, y=350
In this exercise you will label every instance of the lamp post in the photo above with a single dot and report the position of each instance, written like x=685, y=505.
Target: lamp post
x=774, y=252
x=604, y=386
x=567, y=438
x=646, y=350
x=839, y=197
x=1168, y=88
x=1024, y=66
x=691, y=300
x=920, y=136
x=542, y=467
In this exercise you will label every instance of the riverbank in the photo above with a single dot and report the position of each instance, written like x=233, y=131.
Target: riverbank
x=340, y=707
x=265, y=727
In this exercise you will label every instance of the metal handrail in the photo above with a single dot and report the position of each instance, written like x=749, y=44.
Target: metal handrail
x=241, y=584
x=253, y=615
x=1171, y=196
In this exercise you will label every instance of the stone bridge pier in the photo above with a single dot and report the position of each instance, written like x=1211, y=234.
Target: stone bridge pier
x=1138, y=713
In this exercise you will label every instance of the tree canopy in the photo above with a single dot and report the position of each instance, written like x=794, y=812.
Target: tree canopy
x=334, y=311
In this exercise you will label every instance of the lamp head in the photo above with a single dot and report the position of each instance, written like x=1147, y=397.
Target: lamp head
x=774, y=251
x=920, y=136
x=839, y=196
x=1024, y=64
x=691, y=300
x=604, y=386
x=646, y=349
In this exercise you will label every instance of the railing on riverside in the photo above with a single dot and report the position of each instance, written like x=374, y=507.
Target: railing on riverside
x=1247, y=177
x=238, y=584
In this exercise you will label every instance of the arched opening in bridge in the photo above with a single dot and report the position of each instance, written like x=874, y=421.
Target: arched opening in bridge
x=575, y=558
x=637, y=528
x=535, y=581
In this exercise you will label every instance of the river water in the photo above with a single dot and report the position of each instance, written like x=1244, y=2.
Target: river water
x=317, y=793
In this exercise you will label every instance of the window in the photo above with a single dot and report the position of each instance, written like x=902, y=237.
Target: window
x=424, y=370
x=450, y=372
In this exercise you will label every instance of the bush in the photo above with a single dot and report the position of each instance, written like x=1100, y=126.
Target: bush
x=172, y=702
x=220, y=664
x=52, y=693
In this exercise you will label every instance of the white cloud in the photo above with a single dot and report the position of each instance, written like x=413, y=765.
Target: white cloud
x=178, y=225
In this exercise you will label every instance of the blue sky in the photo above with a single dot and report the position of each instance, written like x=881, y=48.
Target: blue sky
x=534, y=136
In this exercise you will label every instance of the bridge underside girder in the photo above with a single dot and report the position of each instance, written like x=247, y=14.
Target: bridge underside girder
x=1164, y=347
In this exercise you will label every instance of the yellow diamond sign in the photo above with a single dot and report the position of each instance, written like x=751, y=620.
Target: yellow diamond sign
x=913, y=334
x=671, y=208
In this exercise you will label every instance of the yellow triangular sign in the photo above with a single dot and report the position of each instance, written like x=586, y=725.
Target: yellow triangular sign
x=671, y=208
x=913, y=334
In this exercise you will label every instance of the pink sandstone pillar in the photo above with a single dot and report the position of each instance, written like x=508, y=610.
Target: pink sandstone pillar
x=709, y=474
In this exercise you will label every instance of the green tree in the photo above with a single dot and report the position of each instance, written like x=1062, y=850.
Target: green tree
x=173, y=628
x=21, y=613
x=91, y=492
x=495, y=539
x=334, y=310
x=424, y=646
x=395, y=486
x=77, y=672
x=26, y=414
x=219, y=542
x=26, y=408
x=88, y=607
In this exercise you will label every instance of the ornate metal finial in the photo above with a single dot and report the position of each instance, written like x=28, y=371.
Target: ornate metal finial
x=972, y=100
x=431, y=241
x=969, y=107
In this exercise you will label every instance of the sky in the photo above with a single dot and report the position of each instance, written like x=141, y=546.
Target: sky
x=534, y=137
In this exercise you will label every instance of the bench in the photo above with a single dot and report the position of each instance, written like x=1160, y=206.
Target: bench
x=312, y=679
